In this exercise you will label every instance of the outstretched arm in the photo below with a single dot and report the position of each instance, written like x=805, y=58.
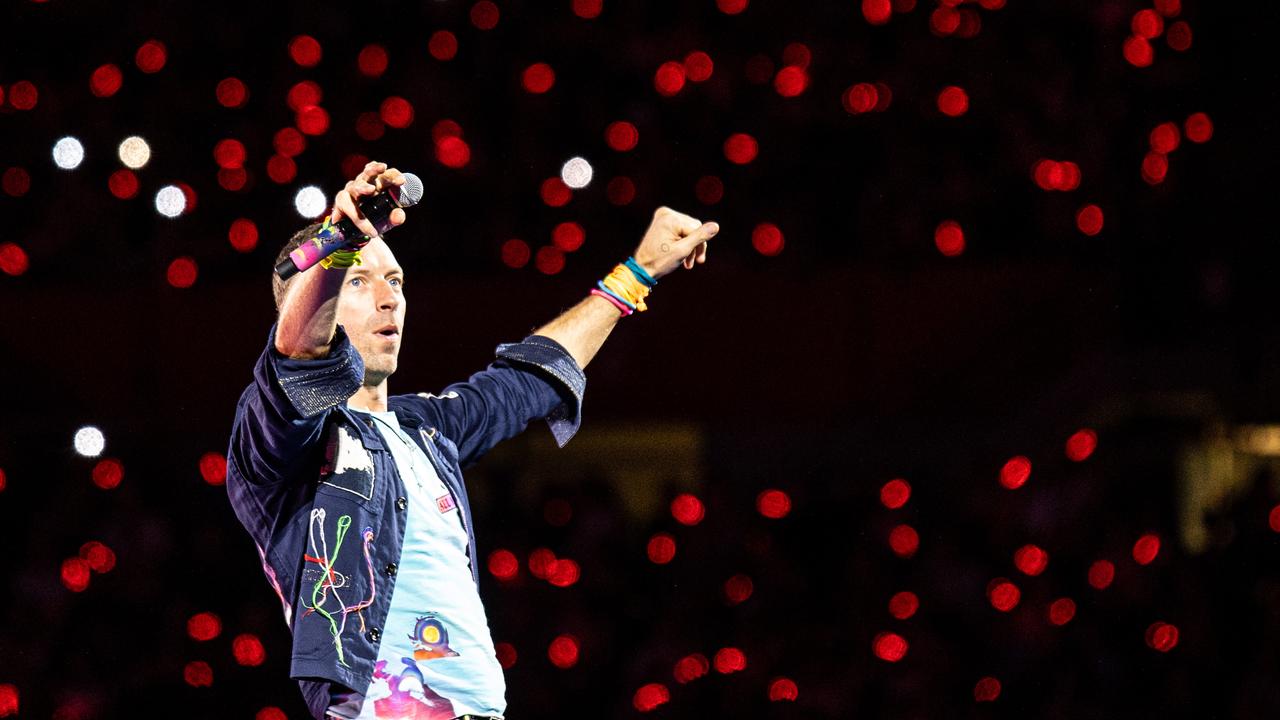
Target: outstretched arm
x=673, y=239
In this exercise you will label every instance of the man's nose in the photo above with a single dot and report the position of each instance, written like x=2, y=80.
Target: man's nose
x=388, y=298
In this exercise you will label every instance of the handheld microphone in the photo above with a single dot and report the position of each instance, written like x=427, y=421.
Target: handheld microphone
x=376, y=209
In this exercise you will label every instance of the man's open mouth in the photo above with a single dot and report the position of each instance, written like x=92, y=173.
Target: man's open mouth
x=389, y=332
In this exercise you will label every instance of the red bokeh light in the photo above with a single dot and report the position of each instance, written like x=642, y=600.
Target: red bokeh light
x=1048, y=174
x=563, y=651
x=270, y=712
x=1155, y=167
x=555, y=193
x=4, y=481
x=538, y=78
x=741, y=148
x=568, y=236
x=503, y=564
x=313, y=120
x=1199, y=128
x=650, y=697
x=669, y=78
x=213, y=468
x=1147, y=23
x=791, y=81
x=877, y=12
x=151, y=56
x=1101, y=574
x=691, y=667
x=1081, y=445
x=890, y=647
x=731, y=7
x=1146, y=549
x=1273, y=520
x=108, y=473
x=549, y=260
x=305, y=50
x=895, y=493
x=698, y=66
x=884, y=96
x=622, y=136
x=783, y=689
x=369, y=126
x=248, y=650
x=774, y=504
x=1138, y=51
x=1179, y=36
x=101, y=558
x=949, y=238
x=372, y=60
x=661, y=549
x=986, y=690
x=445, y=128
x=729, y=660
x=106, y=80
x=588, y=9
x=944, y=21
x=1162, y=636
x=453, y=152
x=1165, y=138
x=540, y=562
x=443, y=45
x=1031, y=560
x=229, y=153
x=709, y=190
x=197, y=673
x=506, y=653
x=1089, y=220
x=738, y=589
x=970, y=24
x=687, y=509
x=484, y=15
x=232, y=179
x=289, y=142
x=182, y=272
x=281, y=169
x=16, y=181
x=767, y=239
x=1070, y=176
x=516, y=253
x=1168, y=8
x=1062, y=610
x=23, y=95
x=189, y=195
x=75, y=574
x=621, y=191
x=903, y=604
x=564, y=572
x=953, y=101
x=13, y=259
x=904, y=541
x=303, y=94
x=231, y=92
x=8, y=700
x=1003, y=595
x=123, y=183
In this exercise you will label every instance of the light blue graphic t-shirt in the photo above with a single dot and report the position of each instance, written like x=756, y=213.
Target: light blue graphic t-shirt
x=436, y=660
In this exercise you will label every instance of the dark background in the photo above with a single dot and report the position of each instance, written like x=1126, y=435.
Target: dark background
x=856, y=355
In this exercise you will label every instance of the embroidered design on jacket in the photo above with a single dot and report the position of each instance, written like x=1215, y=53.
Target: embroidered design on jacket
x=331, y=580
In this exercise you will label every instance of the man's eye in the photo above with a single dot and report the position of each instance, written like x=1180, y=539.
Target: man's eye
x=355, y=282
x=396, y=282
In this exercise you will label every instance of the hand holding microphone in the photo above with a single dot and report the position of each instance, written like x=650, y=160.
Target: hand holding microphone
x=367, y=207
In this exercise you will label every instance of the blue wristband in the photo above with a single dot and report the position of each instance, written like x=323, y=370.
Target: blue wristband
x=613, y=294
x=639, y=272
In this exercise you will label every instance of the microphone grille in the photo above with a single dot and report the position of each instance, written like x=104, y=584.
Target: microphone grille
x=411, y=191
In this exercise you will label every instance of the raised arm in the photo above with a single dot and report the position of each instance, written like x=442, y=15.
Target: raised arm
x=673, y=239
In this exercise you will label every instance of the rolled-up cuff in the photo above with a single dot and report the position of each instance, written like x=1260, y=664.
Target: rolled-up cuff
x=559, y=368
x=315, y=386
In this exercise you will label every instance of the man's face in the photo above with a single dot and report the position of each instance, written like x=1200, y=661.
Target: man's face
x=371, y=309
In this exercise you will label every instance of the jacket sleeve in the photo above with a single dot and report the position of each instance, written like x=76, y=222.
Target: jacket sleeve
x=531, y=379
x=281, y=414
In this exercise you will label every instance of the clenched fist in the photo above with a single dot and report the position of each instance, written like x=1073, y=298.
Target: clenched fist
x=674, y=239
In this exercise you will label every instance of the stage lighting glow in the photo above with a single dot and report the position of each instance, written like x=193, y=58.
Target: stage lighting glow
x=506, y=653
x=134, y=152
x=651, y=697
x=310, y=202
x=576, y=173
x=68, y=153
x=89, y=441
x=563, y=651
x=171, y=201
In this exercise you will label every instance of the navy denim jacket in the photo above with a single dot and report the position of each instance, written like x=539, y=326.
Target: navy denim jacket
x=324, y=503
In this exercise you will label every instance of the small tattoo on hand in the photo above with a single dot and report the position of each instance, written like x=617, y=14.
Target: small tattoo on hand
x=666, y=247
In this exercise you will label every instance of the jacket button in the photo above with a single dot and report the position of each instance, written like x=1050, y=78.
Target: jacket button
x=402, y=503
x=391, y=569
x=374, y=634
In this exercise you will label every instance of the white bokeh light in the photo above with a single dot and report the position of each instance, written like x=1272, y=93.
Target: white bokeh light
x=310, y=202
x=134, y=152
x=576, y=173
x=170, y=201
x=68, y=153
x=89, y=441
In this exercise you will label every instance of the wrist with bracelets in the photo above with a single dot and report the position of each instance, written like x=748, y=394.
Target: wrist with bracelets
x=626, y=287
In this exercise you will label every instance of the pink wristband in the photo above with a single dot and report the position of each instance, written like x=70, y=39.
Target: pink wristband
x=621, y=308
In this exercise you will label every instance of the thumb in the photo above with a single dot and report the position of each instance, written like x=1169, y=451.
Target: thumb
x=704, y=233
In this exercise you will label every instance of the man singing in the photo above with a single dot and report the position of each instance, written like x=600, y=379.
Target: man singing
x=355, y=497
